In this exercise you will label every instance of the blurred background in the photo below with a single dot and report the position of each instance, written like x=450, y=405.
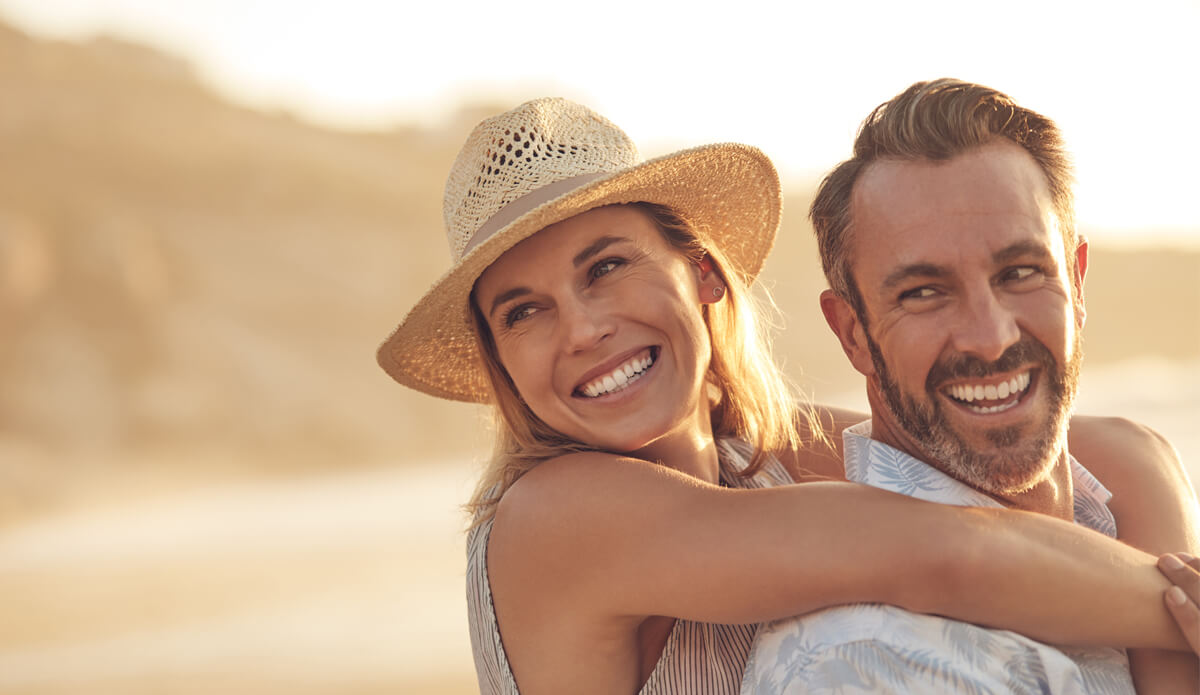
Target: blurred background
x=212, y=212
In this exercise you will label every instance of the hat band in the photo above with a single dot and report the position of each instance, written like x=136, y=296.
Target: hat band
x=524, y=204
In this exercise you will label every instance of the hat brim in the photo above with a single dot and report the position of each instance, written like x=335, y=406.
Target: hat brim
x=730, y=192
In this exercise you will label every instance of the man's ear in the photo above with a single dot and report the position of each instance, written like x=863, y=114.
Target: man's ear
x=1081, y=261
x=844, y=323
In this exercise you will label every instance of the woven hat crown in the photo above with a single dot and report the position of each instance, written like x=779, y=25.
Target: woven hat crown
x=517, y=152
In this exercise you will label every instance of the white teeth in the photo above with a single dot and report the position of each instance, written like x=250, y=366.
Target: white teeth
x=994, y=408
x=617, y=379
x=968, y=394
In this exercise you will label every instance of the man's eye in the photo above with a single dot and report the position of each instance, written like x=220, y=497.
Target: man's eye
x=918, y=293
x=1021, y=273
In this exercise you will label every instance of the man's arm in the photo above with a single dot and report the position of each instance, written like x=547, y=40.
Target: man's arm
x=1156, y=511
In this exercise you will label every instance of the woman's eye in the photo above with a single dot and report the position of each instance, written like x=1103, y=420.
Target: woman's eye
x=517, y=313
x=605, y=267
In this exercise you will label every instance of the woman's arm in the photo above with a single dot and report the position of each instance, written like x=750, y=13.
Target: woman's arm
x=601, y=542
x=1155, y=507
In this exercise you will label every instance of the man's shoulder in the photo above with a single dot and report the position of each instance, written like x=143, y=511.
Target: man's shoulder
x=1152, y=498
x=1123, y=453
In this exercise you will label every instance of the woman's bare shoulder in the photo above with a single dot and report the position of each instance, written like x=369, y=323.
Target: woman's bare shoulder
x=584, y=499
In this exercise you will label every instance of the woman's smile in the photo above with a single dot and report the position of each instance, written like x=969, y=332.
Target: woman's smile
x=626, y=374
x=597, y=320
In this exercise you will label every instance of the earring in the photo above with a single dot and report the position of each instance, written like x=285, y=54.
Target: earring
x=718, y=292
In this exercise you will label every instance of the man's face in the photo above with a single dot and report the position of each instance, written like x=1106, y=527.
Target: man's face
x=969, y=333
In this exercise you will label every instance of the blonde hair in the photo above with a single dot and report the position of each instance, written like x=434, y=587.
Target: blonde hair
x=936, y=121
x=753, y=400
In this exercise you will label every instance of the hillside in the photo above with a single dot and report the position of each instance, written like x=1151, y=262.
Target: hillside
x=178, y=274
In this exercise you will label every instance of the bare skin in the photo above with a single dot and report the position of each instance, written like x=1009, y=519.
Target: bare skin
x=1153, y=502
x=963, y=260
x=588, y=552
x=1183, y=599
x=1156, y=511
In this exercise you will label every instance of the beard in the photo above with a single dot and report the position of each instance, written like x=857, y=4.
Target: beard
x=1020, y=455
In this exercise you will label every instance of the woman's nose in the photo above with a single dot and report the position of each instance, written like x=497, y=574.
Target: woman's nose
x=585, y=323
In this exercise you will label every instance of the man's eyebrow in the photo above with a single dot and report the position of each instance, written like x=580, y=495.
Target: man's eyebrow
x=594, y=248
x=506, y=296
x=907, y=272
x=1021, y=248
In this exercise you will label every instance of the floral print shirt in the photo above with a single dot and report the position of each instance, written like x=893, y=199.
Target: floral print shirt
x=874, y=648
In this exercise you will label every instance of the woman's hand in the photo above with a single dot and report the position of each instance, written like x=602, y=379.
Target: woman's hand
x=1183, y=599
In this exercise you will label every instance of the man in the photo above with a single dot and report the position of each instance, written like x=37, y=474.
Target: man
x=956, y=282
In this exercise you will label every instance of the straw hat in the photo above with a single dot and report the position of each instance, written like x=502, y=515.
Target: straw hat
x=543, y=162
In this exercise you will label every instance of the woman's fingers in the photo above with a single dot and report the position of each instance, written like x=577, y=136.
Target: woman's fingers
x=1183, y=599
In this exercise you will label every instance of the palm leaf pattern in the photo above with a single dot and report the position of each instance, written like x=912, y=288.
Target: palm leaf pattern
x=872, y=648
x=894, y=470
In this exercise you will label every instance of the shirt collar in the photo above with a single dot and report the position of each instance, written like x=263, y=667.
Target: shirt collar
x=874, y=463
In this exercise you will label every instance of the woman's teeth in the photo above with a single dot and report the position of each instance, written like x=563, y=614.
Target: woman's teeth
x=618, y=378
x=968, y=393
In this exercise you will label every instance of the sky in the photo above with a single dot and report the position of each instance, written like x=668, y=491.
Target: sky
x=794, y=78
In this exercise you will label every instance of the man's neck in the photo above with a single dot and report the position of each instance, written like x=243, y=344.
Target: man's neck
x=1053, y=496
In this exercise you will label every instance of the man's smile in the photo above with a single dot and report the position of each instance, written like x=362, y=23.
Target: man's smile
x=985, y=396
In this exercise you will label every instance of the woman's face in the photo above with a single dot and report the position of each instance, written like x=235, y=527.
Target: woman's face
x=597, y=320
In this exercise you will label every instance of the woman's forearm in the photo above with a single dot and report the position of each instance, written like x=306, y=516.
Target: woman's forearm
x=1054, y=581
x=623, y=539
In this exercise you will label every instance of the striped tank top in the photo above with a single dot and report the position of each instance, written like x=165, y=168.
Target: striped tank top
x=698, y=658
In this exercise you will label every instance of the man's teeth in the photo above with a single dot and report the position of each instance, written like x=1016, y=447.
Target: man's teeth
x=618, y=378
x=968, y=393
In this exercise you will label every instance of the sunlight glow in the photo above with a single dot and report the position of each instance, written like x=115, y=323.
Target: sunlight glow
x=794, y=80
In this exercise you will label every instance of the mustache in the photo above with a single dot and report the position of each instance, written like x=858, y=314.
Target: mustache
x=961, y=366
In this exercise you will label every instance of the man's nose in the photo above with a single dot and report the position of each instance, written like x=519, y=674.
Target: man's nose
x=585, y=323
x=986, y=327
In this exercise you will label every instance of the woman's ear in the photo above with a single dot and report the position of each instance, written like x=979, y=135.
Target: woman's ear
x=711, y=285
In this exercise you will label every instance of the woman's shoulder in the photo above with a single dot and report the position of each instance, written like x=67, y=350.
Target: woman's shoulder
x=575, y=482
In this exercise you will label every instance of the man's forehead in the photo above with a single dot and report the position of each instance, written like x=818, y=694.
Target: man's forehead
x=990, y=197
x=1000, y=174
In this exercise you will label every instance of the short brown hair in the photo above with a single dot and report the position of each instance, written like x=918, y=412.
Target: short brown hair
x=935, y=121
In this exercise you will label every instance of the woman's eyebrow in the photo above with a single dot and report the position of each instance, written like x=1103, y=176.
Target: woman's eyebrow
x=580, y=258
x=594, y=248
x=507, y=295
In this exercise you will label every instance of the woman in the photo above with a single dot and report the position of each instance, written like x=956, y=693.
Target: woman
x=636, y=519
